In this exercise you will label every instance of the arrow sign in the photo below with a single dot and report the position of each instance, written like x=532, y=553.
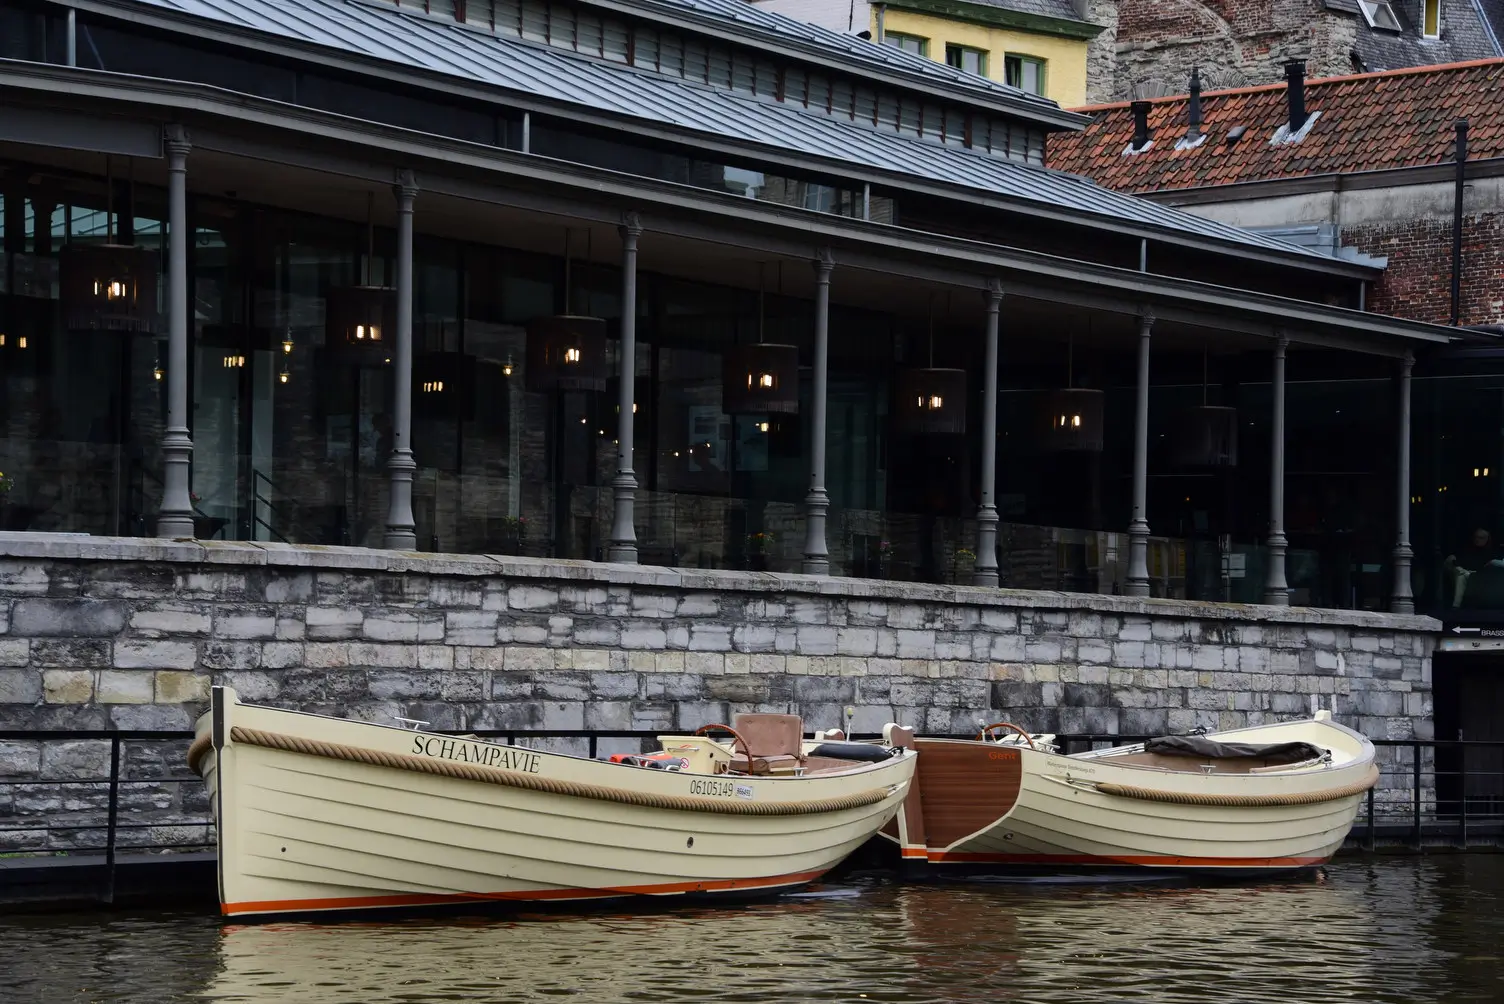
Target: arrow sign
x=1462, y=630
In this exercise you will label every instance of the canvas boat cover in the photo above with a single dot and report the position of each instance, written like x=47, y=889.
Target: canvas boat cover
x=1210, y=749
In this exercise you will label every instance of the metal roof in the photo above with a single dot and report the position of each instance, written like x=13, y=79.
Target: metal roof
x=393, y=36
x=887, y=56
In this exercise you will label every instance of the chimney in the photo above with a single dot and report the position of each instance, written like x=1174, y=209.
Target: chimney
x=1295, y=77
x=1193, y=111
x=1141, y=134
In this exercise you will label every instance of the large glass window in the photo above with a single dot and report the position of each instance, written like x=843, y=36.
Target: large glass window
x=966, y=58
x=908, y=43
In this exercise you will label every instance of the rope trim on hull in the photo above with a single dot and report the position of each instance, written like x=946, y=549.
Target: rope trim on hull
x=554, y=786
x=1216, y=798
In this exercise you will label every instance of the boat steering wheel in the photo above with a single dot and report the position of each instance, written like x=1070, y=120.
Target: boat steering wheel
x=982, y=735
x=736, y=737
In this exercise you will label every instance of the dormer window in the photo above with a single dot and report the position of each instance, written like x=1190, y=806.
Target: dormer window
x=1379, y=14
x=1430, y=19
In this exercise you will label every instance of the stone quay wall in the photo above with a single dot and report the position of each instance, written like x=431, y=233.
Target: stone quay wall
x=125, y=633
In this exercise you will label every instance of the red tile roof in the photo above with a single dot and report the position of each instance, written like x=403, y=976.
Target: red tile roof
x=1369, y=121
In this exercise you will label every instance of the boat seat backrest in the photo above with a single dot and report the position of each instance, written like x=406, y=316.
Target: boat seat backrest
x=771, y=735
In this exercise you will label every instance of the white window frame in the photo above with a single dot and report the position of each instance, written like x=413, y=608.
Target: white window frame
x=1380, y=14
x=1429, y=10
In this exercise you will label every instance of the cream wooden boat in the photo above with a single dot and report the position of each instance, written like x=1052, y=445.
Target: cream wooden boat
x=1263, y=799
x=316, y=813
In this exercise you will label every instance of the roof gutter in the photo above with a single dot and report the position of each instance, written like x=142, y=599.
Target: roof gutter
x=390, y=146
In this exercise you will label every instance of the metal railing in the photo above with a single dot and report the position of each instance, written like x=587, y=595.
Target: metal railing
x=1431, y=794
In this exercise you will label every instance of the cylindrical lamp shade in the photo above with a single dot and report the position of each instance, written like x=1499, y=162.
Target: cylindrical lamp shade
x=362, y=317
x=566, y=352
x=930, y=400
x=109, y=287
x=760, y=379
x=1073, y=420
x=1206, y=437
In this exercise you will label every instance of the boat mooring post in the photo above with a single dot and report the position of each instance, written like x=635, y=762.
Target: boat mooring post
x=112, y=821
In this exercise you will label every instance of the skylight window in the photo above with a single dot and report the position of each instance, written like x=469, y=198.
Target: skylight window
x=1379, y=14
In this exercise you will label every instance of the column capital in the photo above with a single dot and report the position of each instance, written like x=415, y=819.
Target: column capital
x=406, y=185
x=175, y=137
x=1407, y=363
x=1146, y=321
x=824, y=263
x=1281, y=340
x=631, y=225
x=993, y=293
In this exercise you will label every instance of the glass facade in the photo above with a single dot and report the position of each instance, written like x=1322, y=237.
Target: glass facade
x=292, y=425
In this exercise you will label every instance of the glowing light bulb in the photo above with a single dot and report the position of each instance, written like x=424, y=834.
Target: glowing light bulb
x=156, y=372
x=283, y=376
x=765, y=381
x=762, y=426
x=287, y=347
x=506, y=370
x=572, y=355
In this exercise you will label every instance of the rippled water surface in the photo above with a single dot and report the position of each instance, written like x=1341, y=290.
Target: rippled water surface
x=1398, y=930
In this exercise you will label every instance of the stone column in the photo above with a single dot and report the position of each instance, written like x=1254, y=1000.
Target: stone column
x=1138, y=527
x=400, y=533
x=816, y=555
x=985, y=571
x=1276, y=588
x=1403, y=599
x=175, y=517
x=624, y=486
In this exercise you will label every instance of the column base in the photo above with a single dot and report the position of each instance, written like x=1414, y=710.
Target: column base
x=816, y=552
x=1403, y=599
x=1276, y=586
x=1137, y=583
x=984, y=572
x=622, y=547
x=401, y=533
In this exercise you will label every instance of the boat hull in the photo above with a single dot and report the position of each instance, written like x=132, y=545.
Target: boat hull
x=308, y=832
x=1036, y=813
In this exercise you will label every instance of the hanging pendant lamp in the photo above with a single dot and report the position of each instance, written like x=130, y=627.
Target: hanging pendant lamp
x=1073, y=416
x=362, y=317
x=566, y=351
x=1207, y=435
x=763, y=378
x=109, y=286
x=930, y=400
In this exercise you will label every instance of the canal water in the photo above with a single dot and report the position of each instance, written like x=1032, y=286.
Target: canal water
x=1398, y=930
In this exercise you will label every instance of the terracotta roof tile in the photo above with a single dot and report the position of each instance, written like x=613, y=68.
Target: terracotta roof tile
x=1369, y=121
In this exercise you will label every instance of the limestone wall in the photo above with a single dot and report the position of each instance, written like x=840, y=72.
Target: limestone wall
x=100, y=632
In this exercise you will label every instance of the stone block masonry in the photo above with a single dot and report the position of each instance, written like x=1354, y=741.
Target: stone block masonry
x=129, y=633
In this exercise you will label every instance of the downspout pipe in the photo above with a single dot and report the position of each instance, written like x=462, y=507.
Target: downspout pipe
x=882, y=10
x=72, y=37
x=1457, y=221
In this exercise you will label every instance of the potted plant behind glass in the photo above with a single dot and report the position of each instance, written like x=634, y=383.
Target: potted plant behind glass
x=962, y=563
x=513, y=533
x=759, y=545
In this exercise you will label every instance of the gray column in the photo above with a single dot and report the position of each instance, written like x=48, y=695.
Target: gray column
x=1403, y=599
x=175, y=517
x=624, y=486
x=816, y=555
x=1138, y=527
x=1276, y=588
x=400, y=533
x=985, y=571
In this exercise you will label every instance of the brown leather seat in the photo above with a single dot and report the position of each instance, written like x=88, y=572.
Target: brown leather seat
x=774, y=740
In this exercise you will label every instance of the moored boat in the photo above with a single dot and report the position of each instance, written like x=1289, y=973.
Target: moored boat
x=1257, y=800
x=315, y=813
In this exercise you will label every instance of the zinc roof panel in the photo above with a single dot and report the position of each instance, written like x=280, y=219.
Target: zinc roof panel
x=410, y=39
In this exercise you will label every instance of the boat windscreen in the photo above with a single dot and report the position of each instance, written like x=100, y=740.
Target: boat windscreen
x=1200, y=746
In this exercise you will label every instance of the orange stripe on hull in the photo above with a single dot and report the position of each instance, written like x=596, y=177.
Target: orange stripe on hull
x=533, y=896
x=915, y=852
x=1143, y=861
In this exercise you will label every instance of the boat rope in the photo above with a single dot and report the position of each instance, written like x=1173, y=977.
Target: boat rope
x=196, y=750
x=1217, y=798
x=555, y=786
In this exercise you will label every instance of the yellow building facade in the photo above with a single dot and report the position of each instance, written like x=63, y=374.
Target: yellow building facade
x=1041, y=54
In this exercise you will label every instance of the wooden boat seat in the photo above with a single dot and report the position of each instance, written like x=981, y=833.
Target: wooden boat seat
x=776, y=743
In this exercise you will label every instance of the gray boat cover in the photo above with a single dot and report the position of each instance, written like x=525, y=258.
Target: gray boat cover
x=1210, y=749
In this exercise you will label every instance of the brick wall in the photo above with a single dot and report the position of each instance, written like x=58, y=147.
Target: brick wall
x=1417, y=283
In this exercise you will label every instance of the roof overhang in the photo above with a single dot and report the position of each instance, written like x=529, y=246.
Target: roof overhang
x=256, y=128
x=682, y=136
x=1308, y=184
x=1000, y=17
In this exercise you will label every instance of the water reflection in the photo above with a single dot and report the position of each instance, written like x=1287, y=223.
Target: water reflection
x=1391, y=931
